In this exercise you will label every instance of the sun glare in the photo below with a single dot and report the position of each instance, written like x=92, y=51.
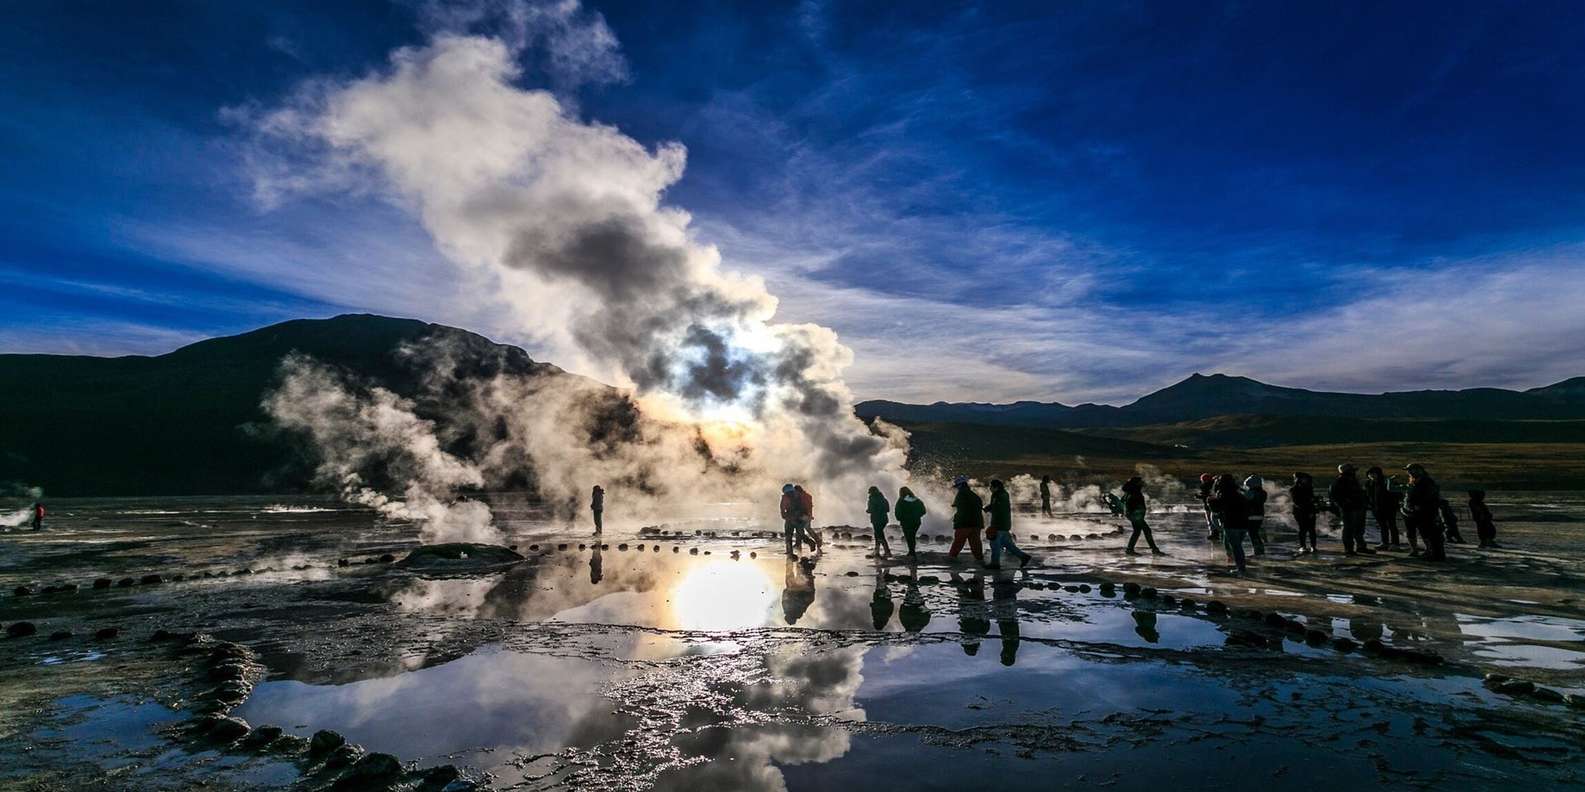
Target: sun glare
x=723, y=595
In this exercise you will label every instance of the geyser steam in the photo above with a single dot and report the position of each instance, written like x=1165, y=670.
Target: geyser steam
x=563, y=219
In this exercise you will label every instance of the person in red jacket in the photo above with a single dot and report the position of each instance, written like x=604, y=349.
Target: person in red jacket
x=38, y=516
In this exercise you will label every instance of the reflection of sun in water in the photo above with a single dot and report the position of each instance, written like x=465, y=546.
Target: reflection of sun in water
x=723, y=595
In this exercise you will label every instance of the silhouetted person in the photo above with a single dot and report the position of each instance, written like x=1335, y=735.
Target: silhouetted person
x=1134, y=509
x=972, y=622
x=797, y=512
x=1232, y=508
x=1000, y=532
x=798, y=589
x=1213, y=524
x=880, y=514
x=1305, y=511
x=910, y=513
x=913, y=615
x=597, y=508
x=806, y=518
x=1449, y=522
x=1420, y=507
x=881, y=606
x=1255, y=492
x=1348, y=498
x=1145, y=625
x=1045, y=495
x=596, y=567
x=38, y=516
x=1384, y=507
x=1485, y=527
x=789, y=515
x=968, y=519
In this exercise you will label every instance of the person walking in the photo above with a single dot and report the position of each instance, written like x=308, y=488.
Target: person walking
x=1420, y=507
x=1213, y=523
x=38, y=515
x=597, y=508
x=880, y=513
x=789, y=515
x=1232, y=508
x=910, y=513
x=968, y=519
x=1045, y=495
x=1255, y=492
x=1134, y=509
x=1305, y=511
x=1485, y=527
x=1449, y=522
x=1348, y=498
x=806, y=520
x=1000, y=532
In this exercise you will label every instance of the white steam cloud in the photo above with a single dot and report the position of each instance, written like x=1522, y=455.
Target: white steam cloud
x=563, y=219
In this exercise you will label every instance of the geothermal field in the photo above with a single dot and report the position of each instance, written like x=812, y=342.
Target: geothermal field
x=237, y=643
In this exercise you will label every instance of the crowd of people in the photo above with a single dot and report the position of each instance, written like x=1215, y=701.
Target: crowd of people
x=1234, y=512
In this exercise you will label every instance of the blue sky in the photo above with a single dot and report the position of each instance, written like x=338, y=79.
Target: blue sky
x=987, y=201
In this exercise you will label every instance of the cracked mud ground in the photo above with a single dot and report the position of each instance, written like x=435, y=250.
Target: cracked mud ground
x=696, y=656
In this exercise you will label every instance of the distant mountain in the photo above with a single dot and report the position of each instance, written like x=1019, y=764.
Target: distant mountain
x=189, y=422
x=1200, y=397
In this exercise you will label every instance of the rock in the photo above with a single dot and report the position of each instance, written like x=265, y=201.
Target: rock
x=324, y=741
x=387, y=558
x=60, y=635
x=622, y=546
x=928, y=580
x=1516, y=687
x=1417, y=656
x=693, y=551
x=224, y=728
x=1493, y=680
x=1084, y=588
x=341, y=562
x=1148, y=592
x=343, y=756
x=1071, y=589
x=1575, y=700
x=533, y=548
x=52, y=589
x=1314, y=637
x=231, y=693
x=103, y=583
x=1547, y=695
x=440, y=776
x=107, y=633
x=125, y=583
x=151, y=580
x=371, y=771
x=1216, y=606
x=1342, y=644
x=1275, y=620
x=1187, y=604
x=851, y=573
x=23, y=591
x=460, y=785
x=460, y=557
x=562, y=546
x=1373, y=646
x=1168, y=600
x=1131, y=588
x=229, y=670
x=262, y=736
x=20, y=629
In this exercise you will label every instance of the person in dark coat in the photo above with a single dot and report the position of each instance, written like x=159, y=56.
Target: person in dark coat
x=968, y=520
x=1045, y=495
x=1000, y=532
x=1384, y=507
x=1213, y=523
x=1255, y=492
x=1232, y=508
x=910, y=512
x=880, y=513
x=1134, y=509
x=597, y=508
x=1420, y=508
x=1485, y=527
x=1348, y=498
x=1305, y=511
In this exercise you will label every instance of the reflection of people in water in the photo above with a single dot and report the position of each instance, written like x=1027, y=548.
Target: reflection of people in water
x=881, y=606
x=913, y=614
x=1145, y=625
x=596, y=566
x=798, y=589
x=597, y=507
x=972, y=621
x=1004, y=607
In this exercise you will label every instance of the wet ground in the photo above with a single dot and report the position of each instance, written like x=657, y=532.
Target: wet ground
x=700, y=657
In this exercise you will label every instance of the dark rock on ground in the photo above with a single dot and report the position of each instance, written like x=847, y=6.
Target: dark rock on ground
x=1130, y=588
x=152, y=579
x=1516, y=687
x=224, y=728
x=103, y=583
x=107, y=633
x=20, y=629
x=387, y=558
x=1315, y=637
x=341, y=562
x=372, y=771
x=324, y=741
x=436, y=777
x=60, y=635
x=343, y=756
x=125, y=583
x=262, y=736
x=1548, y=695
x=1343, y=644
x=459, y=557
x=23, y=591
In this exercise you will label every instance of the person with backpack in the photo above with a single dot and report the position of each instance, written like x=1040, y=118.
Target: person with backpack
x=968, y=519
x=1133, y=501
x=880, y=514
x=1255, y=492
x=1420, y=508
x=1000, y=532
x=1232, y=508
x=910, y=512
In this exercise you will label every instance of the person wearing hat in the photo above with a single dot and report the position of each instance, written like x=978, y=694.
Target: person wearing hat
x=968, y=520
x=1420, y=508
x=1302, y=495
x=1348, y=498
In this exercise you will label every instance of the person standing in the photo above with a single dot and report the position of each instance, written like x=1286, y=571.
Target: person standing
x=597, y=508
x=1045, y=495
x=880, y=513
x=1384, y=507
x=1134, y=509
x=910, y=513
x=1232, y=508
x=1000, y=532
x=1348, y=498
x=968, y=519
x=1302, y=493
x=1255, y=492
x=1213, y=523
x=1449, y=522
x=1420, y=507
x=1485, y=528
x=38, y=515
